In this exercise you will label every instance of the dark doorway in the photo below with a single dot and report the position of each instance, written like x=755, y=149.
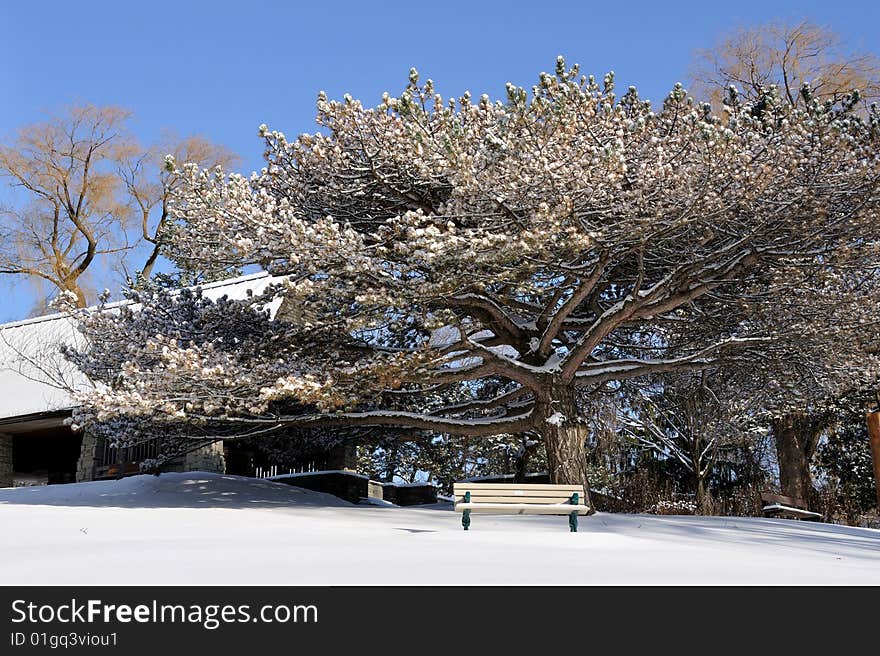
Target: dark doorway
x=46, y=456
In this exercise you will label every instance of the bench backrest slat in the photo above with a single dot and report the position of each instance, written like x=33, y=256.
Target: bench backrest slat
x=525, y=486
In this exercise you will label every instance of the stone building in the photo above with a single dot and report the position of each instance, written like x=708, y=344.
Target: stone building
x=36, y=445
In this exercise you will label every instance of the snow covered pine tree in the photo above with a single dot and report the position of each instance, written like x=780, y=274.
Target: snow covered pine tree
x=465, y=266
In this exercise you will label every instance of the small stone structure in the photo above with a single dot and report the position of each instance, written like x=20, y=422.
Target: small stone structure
x=375, y=490
x=409, y=494
x=6, y=478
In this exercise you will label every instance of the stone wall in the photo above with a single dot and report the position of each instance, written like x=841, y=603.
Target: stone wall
x=6, y=478
x=345, y=485
x=207, y=459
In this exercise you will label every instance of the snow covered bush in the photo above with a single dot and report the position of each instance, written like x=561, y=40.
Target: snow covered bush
x=674, y=507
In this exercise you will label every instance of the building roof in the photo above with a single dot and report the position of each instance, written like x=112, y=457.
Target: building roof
x=35, y=378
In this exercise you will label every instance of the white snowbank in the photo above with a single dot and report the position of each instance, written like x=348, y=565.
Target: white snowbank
x=198, y=528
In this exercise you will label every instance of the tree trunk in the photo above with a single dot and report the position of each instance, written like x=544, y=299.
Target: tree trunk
x=874, y=435
x=521, y=462
x=74, y=288
x=565, y=440
x=796, y=436
x=701, y=463
x=700, y=498
x=391, y=463
x=147, y=271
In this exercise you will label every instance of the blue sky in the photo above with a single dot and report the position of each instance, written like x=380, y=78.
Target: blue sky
x=220, y=68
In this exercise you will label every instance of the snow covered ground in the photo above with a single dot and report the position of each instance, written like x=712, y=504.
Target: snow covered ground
x=200, y=528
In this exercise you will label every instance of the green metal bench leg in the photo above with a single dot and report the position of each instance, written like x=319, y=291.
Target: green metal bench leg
x=466, y=515
x=573, y=517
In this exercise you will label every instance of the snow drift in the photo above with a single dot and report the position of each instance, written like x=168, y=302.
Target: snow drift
x=199, y=528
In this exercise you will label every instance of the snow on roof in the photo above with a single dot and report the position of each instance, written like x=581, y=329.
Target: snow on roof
x=34, y=376
x=33, y=373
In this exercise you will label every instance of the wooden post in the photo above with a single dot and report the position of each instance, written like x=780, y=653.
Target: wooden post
x=874, y=433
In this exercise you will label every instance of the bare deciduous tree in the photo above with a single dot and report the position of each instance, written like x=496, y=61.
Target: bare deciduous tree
x=86, y=191
x=151, y=185
x=788, y=56
x=692, y=419
x=73, y=209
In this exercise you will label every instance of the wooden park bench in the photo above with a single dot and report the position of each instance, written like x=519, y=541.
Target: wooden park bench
x=777, y=505
x=520, y=499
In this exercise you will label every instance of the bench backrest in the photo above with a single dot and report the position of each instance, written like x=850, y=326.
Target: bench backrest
x=517, y=493
x=770, y=498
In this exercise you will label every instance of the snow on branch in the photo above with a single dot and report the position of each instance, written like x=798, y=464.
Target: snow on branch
x=444, y=252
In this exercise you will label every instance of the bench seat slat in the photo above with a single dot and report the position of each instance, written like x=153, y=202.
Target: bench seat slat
x=522, y=509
